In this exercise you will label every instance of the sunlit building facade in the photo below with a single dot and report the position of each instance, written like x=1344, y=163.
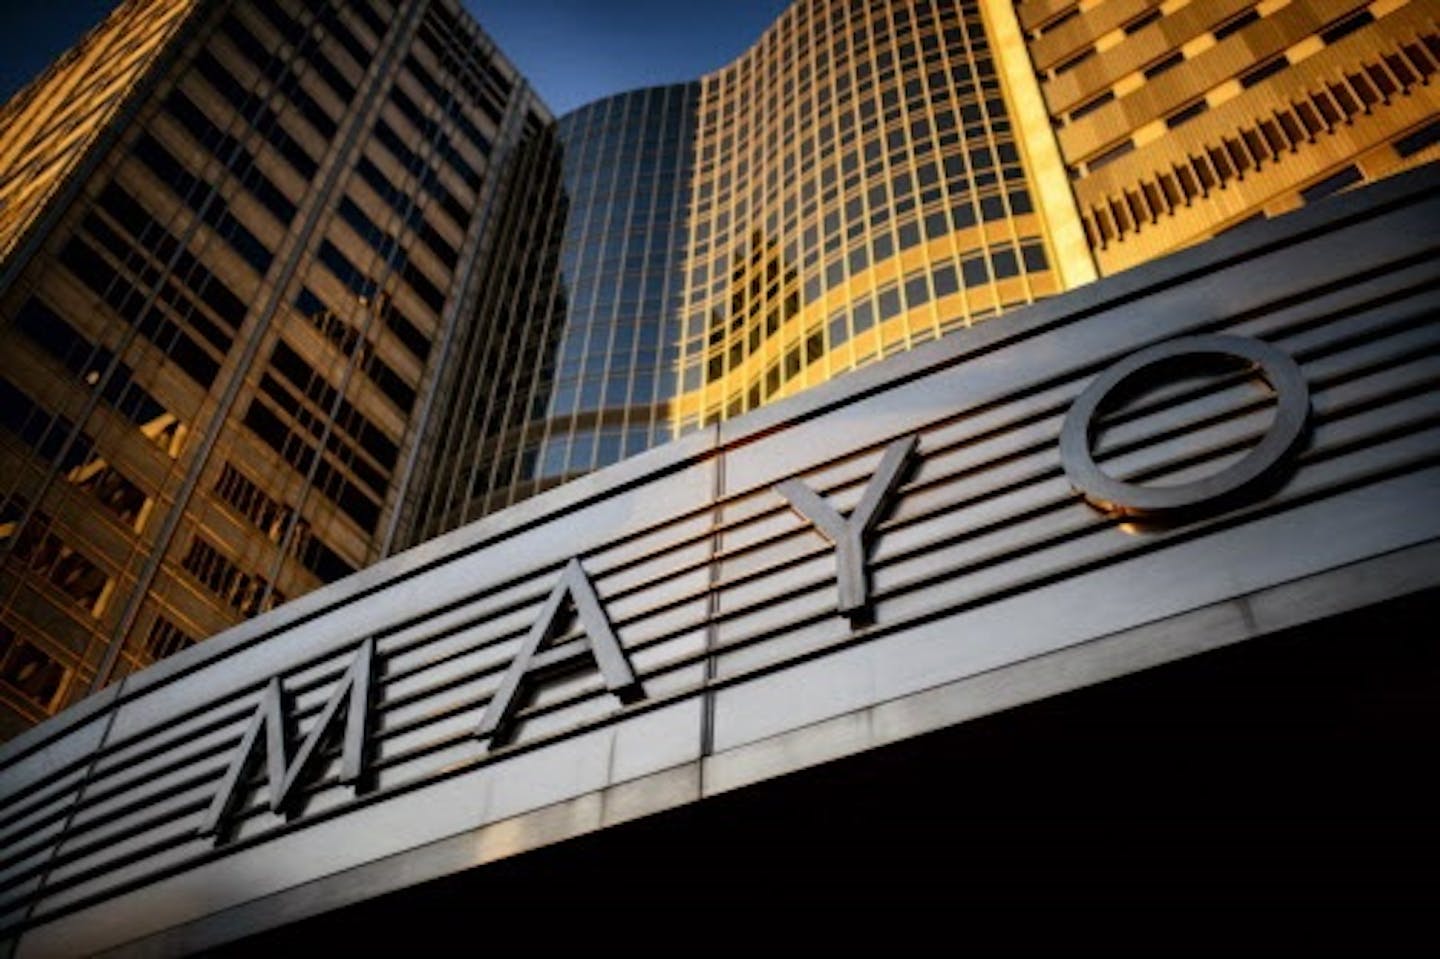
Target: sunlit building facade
x=1179, y=120
x=235, y=237
x=861, y=186
x=51, y=125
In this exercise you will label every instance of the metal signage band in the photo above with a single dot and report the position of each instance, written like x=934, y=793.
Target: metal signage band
x=543, y=652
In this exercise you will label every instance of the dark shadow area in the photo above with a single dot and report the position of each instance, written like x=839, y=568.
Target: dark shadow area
x=1273, y=798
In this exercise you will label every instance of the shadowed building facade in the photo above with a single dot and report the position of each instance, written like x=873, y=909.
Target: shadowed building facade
x=574, y=337
x=235, y=237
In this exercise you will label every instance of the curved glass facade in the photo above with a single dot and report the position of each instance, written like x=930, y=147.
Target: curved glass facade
x=849, y=187
x=859, y=189
x=572, y=352
x=627, y=161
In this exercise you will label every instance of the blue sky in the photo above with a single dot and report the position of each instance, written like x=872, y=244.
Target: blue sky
x=34, y=33
x=573, y=51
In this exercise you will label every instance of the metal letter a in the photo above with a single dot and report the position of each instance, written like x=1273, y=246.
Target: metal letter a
x=599, y=642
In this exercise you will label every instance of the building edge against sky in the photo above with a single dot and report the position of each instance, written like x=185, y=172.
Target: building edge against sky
x=428, y=334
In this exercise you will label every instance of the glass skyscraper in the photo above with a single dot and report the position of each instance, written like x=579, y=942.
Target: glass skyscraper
x=575, y=340
x=289, y=285
x=236, y=237
x=851, y=186
x=861, y=186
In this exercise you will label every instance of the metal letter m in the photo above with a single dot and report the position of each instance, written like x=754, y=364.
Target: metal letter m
x=269, y=717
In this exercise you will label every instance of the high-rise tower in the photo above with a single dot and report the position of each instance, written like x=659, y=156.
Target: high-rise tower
x=1178, y=120
x=861, y=180
x=236, y=237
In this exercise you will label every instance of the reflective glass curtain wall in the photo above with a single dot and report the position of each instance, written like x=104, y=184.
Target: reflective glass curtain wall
x=572, y=342
x=851, y=186
x=860, y=188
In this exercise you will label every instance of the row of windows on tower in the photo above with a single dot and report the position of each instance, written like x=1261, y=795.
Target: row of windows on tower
x=201, y=367
x=634, y=129
x=453, y=44
x=302, y=36
x=872, y=243
x=52, y=559
x=350, y=341
x=57, y=131
x=55, y=441
x=251, y=108
x=427, y=179
x=129, y=300
x=1323, y=110
x=844, y=27
x=27, y=670
x=91, y=364
x=35, y=675
x=431, y=130
x=271, y=197
x=200, y=196
x=905, y=189
x=841, y=96
x=975, y=269
x=412, y=214
x=393, y=256
x=261, y=418
x=47, y=435
x=284, y=76
x=788, y=92
x=982, y=120
x=49, y=557
x=275, y=520
x=1332, y=32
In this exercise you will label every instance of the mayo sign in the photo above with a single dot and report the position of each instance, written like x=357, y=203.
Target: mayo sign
x=852, y=534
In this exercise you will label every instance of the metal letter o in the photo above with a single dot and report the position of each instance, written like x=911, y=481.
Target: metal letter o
x=1292, y=410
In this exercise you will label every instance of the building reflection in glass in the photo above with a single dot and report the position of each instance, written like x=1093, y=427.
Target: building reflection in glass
x=573, y=349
